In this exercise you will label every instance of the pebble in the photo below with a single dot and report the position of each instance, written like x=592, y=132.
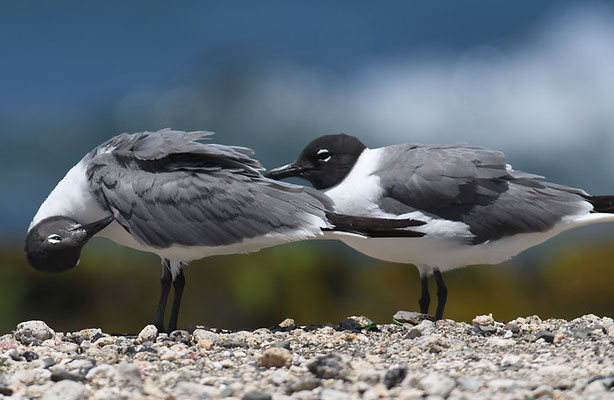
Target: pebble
x=437, y=384
x=446, y=360
x=483, y=320
x=546, y=335
x=31, y=331
x=275, y=357
x=64, y=390
x=394, y=376
x=328, y=366
x=148, y=334
x=354, y=323
x=254, y=395
x=410, y=317
x=307, y=383
x=287, y=323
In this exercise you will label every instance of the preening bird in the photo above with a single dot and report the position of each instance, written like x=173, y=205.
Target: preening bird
x=167, y=193
x=477, y=209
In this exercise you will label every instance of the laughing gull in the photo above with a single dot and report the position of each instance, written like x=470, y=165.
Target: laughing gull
x=166, y=193
x=478, y=210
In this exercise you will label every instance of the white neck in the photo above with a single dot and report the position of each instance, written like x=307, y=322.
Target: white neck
x=71, y=198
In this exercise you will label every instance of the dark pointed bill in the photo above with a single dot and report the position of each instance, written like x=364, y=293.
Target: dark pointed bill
x=95, y=227
x=286, y=171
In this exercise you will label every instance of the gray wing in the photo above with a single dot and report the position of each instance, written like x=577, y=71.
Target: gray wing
x=166, y=188
x=473, y=185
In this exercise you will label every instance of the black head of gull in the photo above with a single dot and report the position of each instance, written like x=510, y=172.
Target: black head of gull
x=477, y=209
x=324, y=162
x=169, y=194
x=55, y=243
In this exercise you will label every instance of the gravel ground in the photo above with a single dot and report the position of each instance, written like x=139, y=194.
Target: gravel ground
x=413, y=358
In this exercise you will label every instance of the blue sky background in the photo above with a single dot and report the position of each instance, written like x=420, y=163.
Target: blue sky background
x=531, y=78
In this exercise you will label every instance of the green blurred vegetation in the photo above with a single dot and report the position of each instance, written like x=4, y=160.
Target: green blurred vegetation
x=117, y=289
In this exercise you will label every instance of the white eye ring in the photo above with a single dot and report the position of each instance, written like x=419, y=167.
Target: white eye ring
x=54, y=238
x=323, y=152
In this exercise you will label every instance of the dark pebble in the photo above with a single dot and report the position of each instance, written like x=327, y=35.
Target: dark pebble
x=308, y=383
x=394, y=376
x=284, y=344
x=29, y=355
x=180, y=336
x=60, y=374
x=513, y=327
x=413, y=333
x=328, y=366
x=6, y=391
x=546, y=335
x=253, y=395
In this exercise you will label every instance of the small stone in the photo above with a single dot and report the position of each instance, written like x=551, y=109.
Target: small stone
x=31, y=331
x=129, y=373
x=48, y=362
x=546, y=335
x=410, y=317
x=308, y=383
x=413, y=333
x=328, y=366
x=542, y=391
x=275, y=357
x=64, y=390
x=284, y=344
x=513, y=327
x=201, y=334
x=59, y=374
x=483, y=320
x=29, y=356
x=287, y=323
x=611, y=331
x=254, y=395
x=180, y=336
x=195, y=390
x=394, y=376
x=148, y=334
x=91, y=334
x=470, y=384
x=599, y=385
x=354, y=323
x=426, y=327
x=436, y=384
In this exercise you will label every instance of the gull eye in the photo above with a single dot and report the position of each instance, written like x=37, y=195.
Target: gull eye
x=323, y=155
x=54, y=238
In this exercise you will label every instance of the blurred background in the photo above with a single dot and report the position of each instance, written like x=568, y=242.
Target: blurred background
x=533, y=79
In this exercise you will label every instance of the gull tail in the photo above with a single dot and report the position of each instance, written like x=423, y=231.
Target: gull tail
x=602, y=203
x=374, y=227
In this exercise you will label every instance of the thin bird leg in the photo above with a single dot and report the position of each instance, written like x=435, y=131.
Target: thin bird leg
x=166, y=280
x=442, y=294
x=178, y=284
x=425, y=299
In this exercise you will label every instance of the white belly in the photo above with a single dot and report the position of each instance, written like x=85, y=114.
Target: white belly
x=446, y=253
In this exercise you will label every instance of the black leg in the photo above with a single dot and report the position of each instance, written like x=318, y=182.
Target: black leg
x=425, y=299
x=166, y=280
x=178, y=284
x=442, y=294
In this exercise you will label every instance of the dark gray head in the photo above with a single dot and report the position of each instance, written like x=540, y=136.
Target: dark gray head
x=325, y=162
x=54, y=244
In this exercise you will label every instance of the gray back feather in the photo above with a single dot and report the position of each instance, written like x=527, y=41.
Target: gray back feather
x=166, y=188
x=472, y=185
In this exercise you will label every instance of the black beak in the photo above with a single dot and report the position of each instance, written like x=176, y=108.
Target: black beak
x=287, y=171
x=95, y=227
